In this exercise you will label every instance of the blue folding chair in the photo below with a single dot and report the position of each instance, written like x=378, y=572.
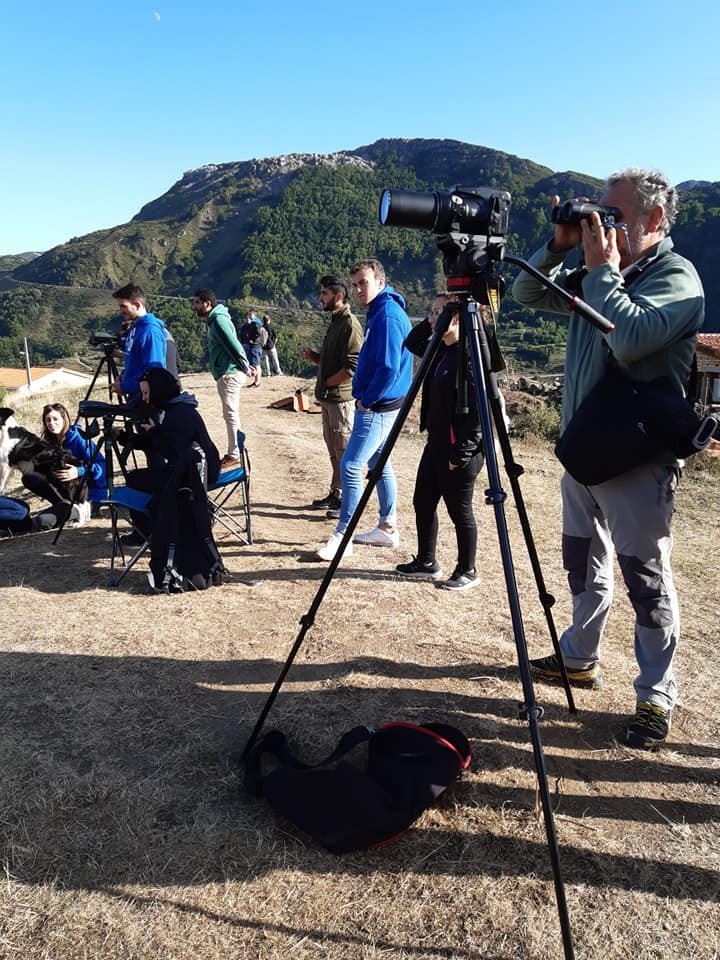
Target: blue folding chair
x=125, y=499
x=222, y=491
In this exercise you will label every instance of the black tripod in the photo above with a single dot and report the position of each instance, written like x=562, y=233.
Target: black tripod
x=107, y=361
x=471, y=275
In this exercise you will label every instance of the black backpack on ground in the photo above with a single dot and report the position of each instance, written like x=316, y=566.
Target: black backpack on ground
x=358, y=798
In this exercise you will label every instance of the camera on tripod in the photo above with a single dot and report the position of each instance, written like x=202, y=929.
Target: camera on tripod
x=480, y=211
x=470, y=225
x=573, y=211
x=99, y=338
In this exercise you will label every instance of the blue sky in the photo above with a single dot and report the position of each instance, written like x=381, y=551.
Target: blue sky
x=106, y=103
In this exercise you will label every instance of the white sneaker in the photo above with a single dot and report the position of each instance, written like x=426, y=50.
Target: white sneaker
x=80, y=513
x=378, y=538
x=330, y=549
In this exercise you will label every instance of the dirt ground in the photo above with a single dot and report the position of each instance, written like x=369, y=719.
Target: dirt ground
x=126, y=831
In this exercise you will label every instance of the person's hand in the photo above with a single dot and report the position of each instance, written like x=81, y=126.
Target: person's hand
x=116, y=388
x=599, y=243
x=453, y=466
x=67, y=473
x=567, y=235
x=148, y=424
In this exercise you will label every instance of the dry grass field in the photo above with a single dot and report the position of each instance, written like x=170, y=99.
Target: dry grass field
x=126, y=832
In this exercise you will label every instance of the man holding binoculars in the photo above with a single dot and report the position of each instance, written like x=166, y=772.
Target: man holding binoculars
x=654, y=299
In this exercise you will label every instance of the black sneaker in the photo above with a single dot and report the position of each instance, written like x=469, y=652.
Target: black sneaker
x=649, y=728
x=548, y=669
x=330, y=502
x=420, y=570
x=461, y=580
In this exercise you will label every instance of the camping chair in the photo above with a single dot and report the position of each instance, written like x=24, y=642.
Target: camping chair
x=224, y=488
x=126, y=499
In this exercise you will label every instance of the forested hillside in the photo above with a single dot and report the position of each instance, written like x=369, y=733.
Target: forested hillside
x=263, y=231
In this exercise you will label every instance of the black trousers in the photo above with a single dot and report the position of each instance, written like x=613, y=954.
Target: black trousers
x=436, y=480
x=54, y=491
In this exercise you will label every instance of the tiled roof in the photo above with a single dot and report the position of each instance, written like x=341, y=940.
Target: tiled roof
x=708, y=351
x=12, y=377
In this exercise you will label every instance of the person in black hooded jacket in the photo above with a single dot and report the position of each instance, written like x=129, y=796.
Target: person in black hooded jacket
x=182, y=462
x=172, y=427
x=451, y=460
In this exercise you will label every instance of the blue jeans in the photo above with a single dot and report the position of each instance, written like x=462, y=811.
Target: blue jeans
x=365, y=445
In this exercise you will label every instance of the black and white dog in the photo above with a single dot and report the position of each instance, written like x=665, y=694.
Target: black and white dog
x=24, y=451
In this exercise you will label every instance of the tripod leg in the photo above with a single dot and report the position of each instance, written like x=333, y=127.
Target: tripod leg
x=514, y=471
x=531, y=710
x=373, y=476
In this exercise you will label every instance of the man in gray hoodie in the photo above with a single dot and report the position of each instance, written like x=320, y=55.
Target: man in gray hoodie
x=228, y=365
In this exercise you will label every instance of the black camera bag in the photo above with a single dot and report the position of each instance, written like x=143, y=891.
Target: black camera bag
x=358, y=798
x=624, y=423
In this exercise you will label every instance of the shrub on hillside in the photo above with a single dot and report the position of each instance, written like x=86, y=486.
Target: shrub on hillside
x=539, y=419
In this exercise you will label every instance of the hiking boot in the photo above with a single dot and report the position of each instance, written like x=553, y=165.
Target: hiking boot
x=461, y=580
x=419, y=570
x=649, y=727
x=330, y=549
x=330, y=502
x=548, y=669
x=377, y=537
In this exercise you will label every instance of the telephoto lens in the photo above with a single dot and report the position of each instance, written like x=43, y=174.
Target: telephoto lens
x=480, y=211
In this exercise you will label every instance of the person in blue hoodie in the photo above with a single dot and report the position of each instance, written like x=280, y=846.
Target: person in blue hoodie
x=145, y=342
x=61, y=485
x=382, y=378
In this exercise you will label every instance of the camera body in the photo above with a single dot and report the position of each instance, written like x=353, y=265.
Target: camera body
x=573, y=211
x=480, y=211
x=99, y=338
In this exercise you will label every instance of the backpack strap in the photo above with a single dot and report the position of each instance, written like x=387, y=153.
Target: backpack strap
x=275, y=744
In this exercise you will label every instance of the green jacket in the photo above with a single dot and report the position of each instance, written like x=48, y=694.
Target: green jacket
x=225, y=352
x=656, y=319
x=339, y=351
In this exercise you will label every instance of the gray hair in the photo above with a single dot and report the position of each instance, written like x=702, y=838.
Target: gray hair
x=652, y=189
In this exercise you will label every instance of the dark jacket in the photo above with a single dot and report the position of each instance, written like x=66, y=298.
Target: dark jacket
x=339, y=351
x=455, y=436
x=178, y=427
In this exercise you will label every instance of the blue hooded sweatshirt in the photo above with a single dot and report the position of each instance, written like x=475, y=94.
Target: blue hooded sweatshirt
x=384, y=369
x=84, y=450
x=145, y=347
